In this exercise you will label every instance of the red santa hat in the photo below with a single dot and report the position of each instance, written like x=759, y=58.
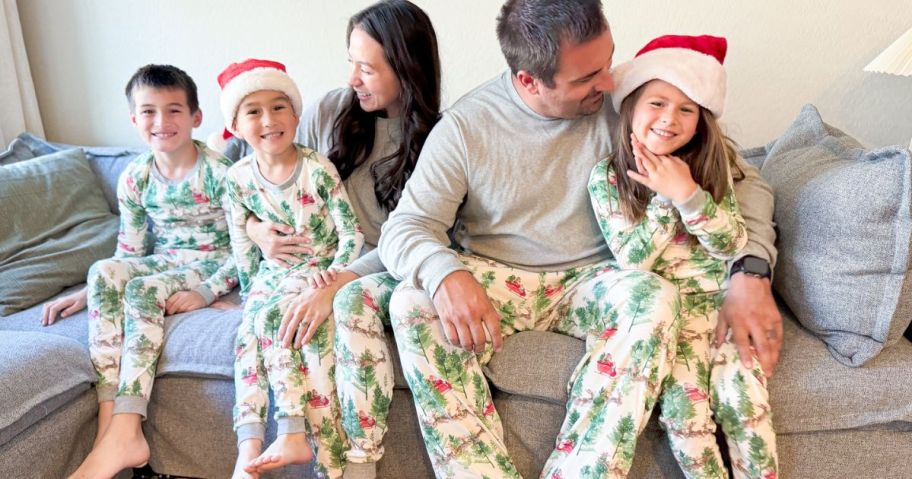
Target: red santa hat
x=241, y=79
x=691, y=63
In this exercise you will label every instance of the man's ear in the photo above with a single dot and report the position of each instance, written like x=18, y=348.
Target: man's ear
x=528, y=82
x=197, y=118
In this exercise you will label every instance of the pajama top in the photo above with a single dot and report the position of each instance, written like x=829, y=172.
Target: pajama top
x=312, y=201
x=188, y=214
x=661, y=241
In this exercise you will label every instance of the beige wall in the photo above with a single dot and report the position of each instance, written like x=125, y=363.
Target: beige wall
x=782, y=54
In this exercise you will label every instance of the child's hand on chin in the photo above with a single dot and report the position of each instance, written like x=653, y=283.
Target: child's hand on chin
x=183, y=301
x=322, y=279
x=667, y=175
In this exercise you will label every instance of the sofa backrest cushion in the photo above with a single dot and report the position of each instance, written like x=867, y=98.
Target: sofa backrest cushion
x=845, y=223
x=56, y=223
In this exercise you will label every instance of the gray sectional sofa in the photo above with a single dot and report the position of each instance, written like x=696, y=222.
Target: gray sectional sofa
x=833, y=419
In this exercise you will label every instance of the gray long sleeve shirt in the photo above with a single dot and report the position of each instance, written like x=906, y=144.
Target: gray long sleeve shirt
x=514, y=184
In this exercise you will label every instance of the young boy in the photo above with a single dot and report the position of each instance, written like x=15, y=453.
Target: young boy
x=292, y=185
x=179, y=186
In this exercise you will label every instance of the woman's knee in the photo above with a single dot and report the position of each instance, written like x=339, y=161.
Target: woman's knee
x=409, y=302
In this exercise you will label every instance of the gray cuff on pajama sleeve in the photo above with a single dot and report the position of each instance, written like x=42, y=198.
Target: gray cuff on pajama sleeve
x=693, y=204
x=106, y=393
x=256, y=430
x=206, y=293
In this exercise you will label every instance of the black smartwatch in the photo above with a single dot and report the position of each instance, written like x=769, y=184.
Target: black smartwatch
x=751, y=266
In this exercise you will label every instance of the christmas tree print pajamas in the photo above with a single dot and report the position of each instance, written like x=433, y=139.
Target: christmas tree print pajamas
x=508, y=178
x=126, y=294
x=689, y=244
x=364, y=369
x=312, y=201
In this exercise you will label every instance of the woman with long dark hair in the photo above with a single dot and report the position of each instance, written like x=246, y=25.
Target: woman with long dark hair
x=373, y=132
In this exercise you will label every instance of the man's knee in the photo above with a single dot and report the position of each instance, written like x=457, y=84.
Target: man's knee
x=410, y=302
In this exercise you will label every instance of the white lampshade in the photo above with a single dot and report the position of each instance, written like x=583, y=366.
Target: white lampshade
x=896, y=59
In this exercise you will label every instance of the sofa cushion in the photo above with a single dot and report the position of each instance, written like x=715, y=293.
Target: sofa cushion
x=56, y=223
x=812, y=391
x=845, y=224
x=38, y=374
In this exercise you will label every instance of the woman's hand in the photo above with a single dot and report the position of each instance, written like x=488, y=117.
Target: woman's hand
x=278, y=242
x=64, y=306
x=309, y=309
x=667, y=175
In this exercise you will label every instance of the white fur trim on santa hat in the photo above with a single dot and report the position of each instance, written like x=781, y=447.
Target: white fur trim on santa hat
x=255, y=80
x=701, y=77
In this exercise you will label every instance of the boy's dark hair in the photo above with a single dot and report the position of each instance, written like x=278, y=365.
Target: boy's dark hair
x=163, y=76
x=530, y=32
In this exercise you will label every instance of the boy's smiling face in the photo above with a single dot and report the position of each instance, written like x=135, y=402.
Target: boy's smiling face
x=267, y=121
x=163, y=118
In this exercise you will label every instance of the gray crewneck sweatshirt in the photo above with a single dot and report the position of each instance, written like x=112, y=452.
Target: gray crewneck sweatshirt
x=316, y=130
x=514, y=184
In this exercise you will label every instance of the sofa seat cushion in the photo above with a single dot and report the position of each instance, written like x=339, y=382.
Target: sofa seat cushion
x=811, y=391
x=39, y=373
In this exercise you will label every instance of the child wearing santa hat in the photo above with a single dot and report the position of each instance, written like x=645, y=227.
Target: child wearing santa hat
x=293, y=185
x=665, y=203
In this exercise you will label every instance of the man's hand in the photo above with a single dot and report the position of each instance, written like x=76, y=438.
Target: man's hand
x=751, y=313
x=465, y=311
x=277, y=242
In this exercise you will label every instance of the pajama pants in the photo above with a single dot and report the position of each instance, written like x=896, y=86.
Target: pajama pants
x=629, y=320
x=364, y=366
x=126, y=302
x=302, y=380
x=707, y=380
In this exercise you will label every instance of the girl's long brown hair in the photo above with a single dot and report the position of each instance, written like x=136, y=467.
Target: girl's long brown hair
x=710, y=155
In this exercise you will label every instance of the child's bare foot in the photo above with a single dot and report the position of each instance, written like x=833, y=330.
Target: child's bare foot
x=247, y=452
x=123, y=446
x=287, y=449
x=105, y=413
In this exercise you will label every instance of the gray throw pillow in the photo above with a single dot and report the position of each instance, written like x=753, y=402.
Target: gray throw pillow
x=845, y=223
x=56, y=223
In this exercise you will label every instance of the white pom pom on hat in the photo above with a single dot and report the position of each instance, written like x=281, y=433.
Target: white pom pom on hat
x=693, y=64
x=241, y=79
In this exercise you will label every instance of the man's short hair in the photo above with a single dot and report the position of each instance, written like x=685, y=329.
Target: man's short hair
x=530, y=32
x=166, y=77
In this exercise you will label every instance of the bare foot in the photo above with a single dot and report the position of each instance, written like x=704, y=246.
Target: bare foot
x=105, y=413
x=287, y=449
x=247, y=452
x=123, y=446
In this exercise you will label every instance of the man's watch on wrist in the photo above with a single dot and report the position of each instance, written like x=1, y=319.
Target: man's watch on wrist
x=751, y=266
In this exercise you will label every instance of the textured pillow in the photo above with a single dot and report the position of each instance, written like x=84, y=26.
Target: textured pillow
x=56, y=223
x=845, y=226
x=108, y=162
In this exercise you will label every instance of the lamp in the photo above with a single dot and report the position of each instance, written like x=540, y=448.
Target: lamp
x=895, y=60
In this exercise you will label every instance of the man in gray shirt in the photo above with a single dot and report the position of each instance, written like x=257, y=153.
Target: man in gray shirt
x=506, y=168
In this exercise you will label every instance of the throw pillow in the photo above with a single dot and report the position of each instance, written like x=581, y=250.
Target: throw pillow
x=106, y=161
x=845, y=225
x=56, y=223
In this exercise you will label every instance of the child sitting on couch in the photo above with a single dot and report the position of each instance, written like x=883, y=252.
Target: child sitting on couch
x=292, y=185
x=179, y=187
